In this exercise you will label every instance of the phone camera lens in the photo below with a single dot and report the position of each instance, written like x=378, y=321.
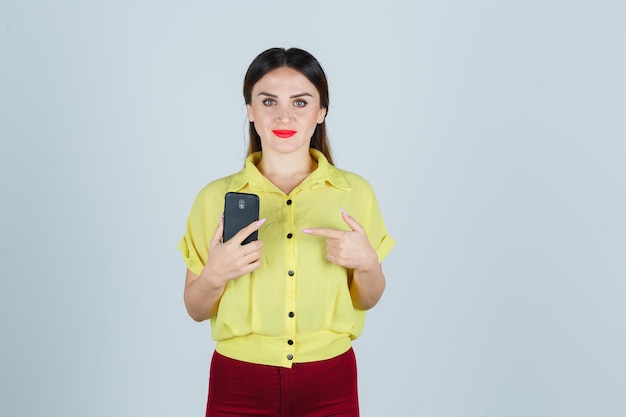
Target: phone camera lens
x=242, y=203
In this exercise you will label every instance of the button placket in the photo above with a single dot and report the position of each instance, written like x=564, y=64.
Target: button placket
x=290, y=284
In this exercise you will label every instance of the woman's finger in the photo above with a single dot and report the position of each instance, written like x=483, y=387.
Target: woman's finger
x=217, y=235
x=247, y=231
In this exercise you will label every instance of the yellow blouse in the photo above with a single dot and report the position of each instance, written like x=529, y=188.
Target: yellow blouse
x=296, y=307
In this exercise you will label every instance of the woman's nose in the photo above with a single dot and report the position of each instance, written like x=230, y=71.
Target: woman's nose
x=284, y=114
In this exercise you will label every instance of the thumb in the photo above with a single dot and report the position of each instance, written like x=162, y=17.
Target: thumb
x=217, y=235
x=354, y=225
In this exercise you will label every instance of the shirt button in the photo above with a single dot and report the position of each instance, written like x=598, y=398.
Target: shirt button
x=289, y=235
x=290, y=356
x=289, y=202
x=291, y=273
x=291, y=314
x=290, y=342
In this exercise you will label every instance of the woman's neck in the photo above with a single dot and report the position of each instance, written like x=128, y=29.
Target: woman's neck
x=286, y=171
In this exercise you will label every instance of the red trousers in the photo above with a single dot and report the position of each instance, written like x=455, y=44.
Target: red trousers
x=313, y=389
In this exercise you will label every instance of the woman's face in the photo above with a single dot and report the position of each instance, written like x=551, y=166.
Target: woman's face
x=285, y=109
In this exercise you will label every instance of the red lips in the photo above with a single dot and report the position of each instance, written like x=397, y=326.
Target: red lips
x=284, y=133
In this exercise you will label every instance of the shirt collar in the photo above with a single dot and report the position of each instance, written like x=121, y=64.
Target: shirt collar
x=323, y=174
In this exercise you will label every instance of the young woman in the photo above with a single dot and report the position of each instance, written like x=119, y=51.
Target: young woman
x=285, y=308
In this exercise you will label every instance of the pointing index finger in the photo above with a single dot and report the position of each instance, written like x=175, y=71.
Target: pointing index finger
x=322, y=231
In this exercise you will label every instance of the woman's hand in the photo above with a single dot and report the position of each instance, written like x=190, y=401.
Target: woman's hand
x=352, y=250
x=230, y=260
x=348, y=248
x=226, y=261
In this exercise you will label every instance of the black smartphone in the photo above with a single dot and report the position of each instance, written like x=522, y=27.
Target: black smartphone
x=240, y=209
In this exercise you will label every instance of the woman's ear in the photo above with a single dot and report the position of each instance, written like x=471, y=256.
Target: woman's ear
x=321, y=116
x=250, y=114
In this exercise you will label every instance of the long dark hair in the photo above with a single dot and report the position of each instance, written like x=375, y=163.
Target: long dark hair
x=307, y=65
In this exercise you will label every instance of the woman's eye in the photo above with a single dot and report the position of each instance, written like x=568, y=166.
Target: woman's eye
x=269, y=102
x=299, y=103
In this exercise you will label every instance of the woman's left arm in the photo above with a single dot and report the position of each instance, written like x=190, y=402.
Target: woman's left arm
x=352, y=250
x=367, y=286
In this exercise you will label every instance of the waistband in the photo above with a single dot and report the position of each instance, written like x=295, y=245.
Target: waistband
x=278, y=351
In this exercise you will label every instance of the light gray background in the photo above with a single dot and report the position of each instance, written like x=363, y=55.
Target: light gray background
x=493, y=132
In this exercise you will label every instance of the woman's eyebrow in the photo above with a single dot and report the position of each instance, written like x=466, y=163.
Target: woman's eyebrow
x=301, y=95
x=263, y=93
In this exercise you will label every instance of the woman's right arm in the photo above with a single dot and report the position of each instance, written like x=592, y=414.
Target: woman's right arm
x=225, y=262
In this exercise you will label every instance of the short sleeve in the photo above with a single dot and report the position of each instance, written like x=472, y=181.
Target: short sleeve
x=191, y=256
x=366, y=211
x=203, y=219
x=385, y=247
x=376, y=231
